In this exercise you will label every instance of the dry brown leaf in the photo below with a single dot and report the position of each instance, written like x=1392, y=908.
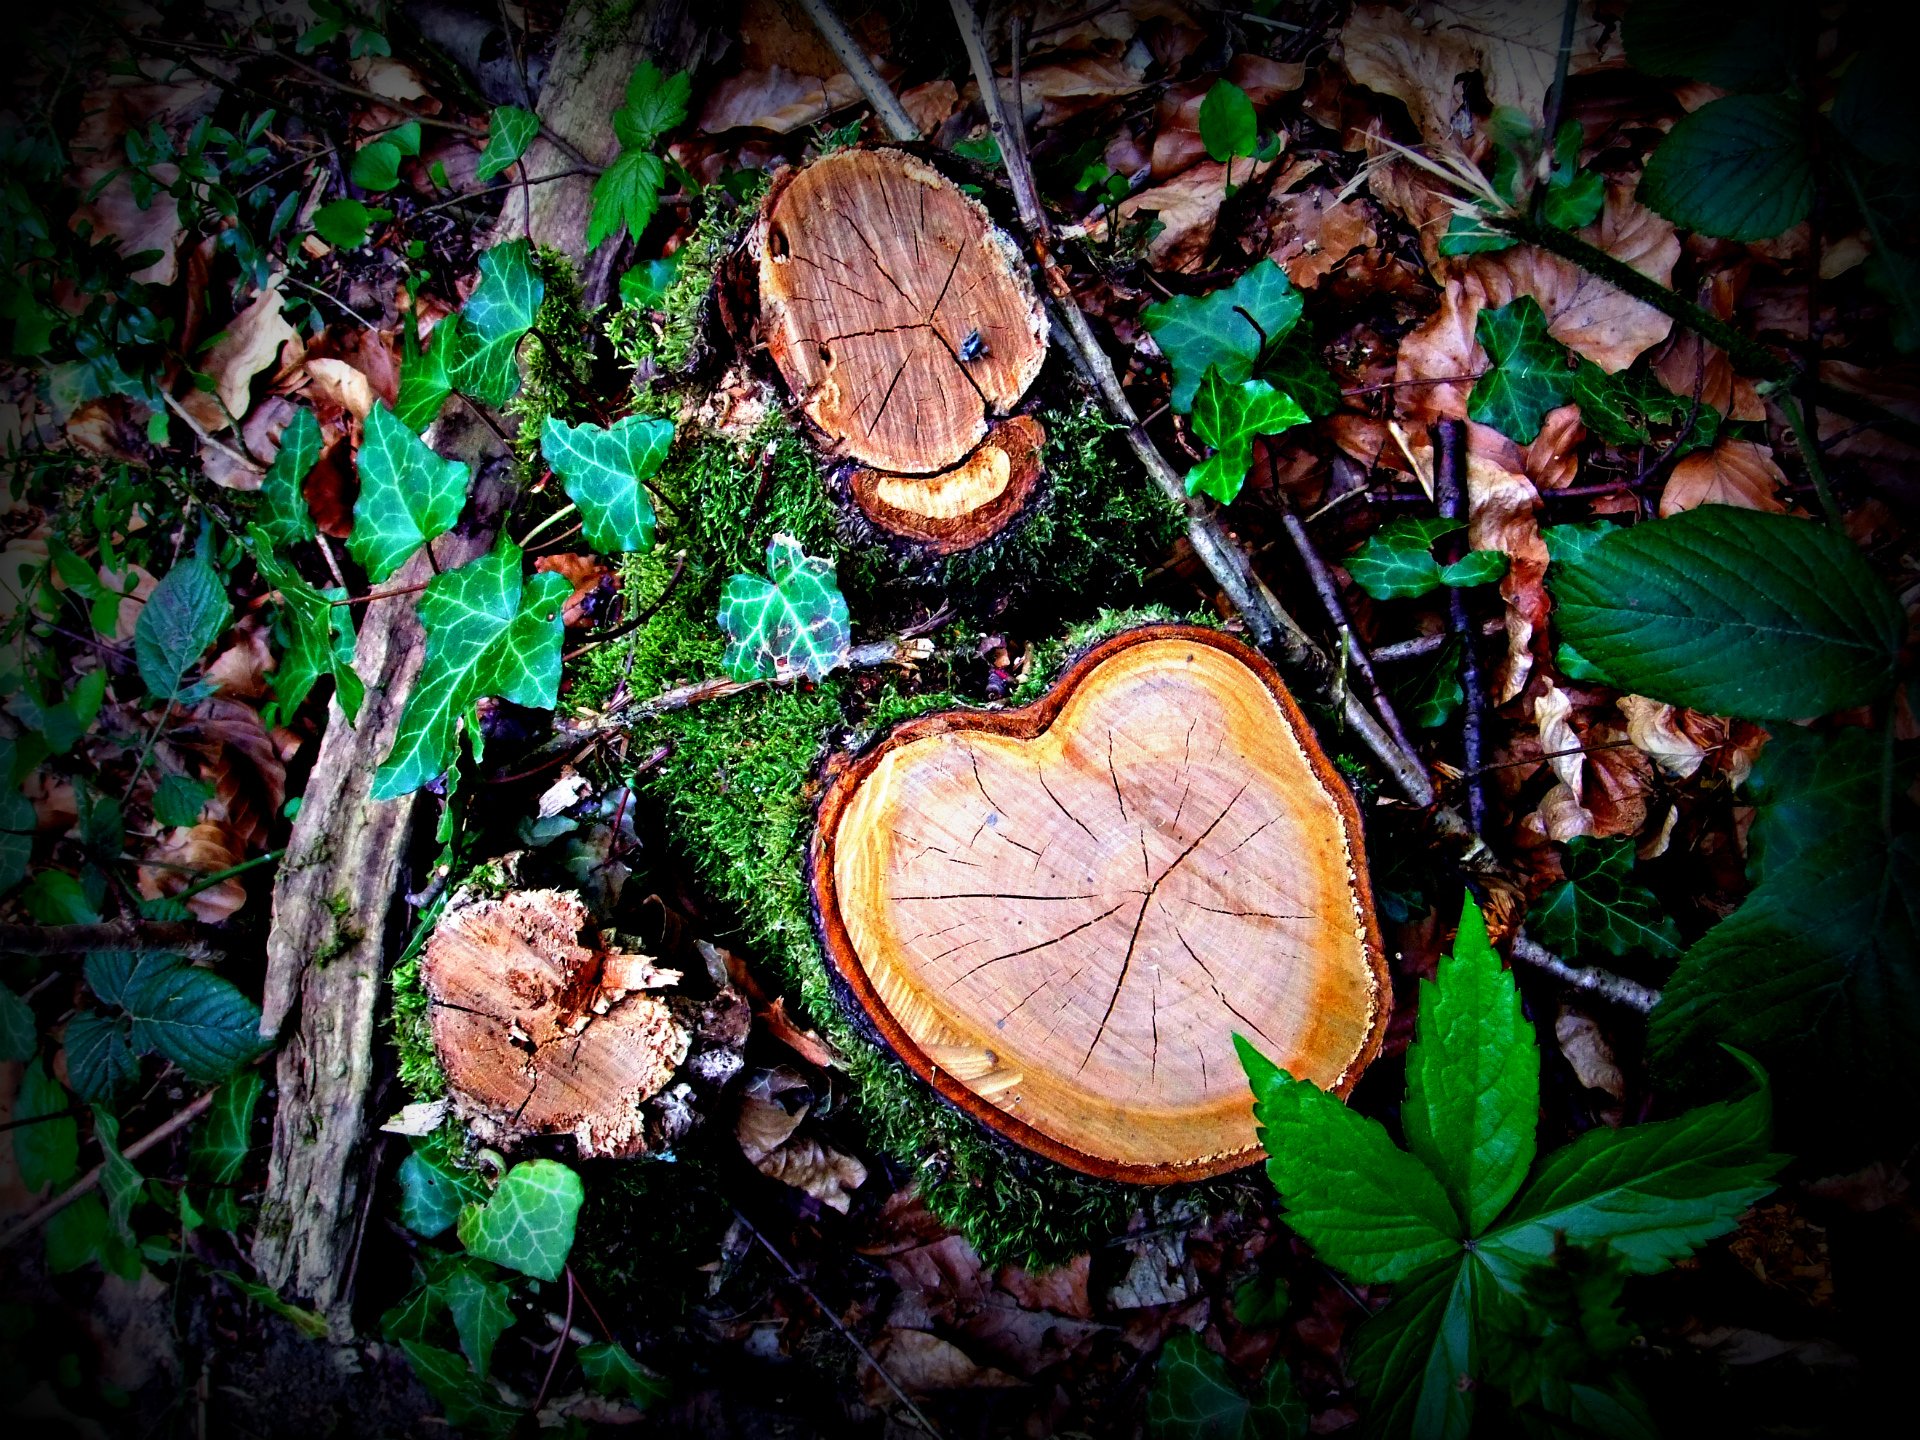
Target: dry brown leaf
x=338, y=383
x=924, y=1364
x=99, y=149
x=197, y=851
x=930, y=106
x=1187, y=206
x=1561, y=813
x=807, y=1044
x=240, y=671
x=1384, y=50
x=586, y=574
x=1516, y=45
x=1655, y=730
x=128, y=614
x=105, y=427
x=1062, y=1289
x=1055, y=93
x=241, y=758
x=1441, y=348
x=1619, y=783
x=812, y=1166
x=1176, y=133
x=1503, y=514
x=392, y=79
x=1313, y=233
x=775, y=99
x=1588, y=1053
x=1687, y=360
x=1552, y=460
x=1733, y=472
x=772, y=1105
x=250, y=343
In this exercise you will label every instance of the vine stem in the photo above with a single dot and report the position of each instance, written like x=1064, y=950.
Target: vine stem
x=548, y=523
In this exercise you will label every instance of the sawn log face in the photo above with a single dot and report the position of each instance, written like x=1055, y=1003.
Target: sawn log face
x=1060, y=916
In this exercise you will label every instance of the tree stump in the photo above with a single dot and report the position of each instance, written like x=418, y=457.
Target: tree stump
x=1060, y=916
x=904, y=323
x=542, y=1035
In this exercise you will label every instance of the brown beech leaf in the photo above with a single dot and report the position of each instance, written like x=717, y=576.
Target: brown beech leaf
x=98, y=149
x=1552, y=460
x=930, y=105
x=807, y=1044
x=240, y=671
x=1516, y=45
x=1619, y=783
x=338, y=383
x=810, y=1165
x=1176, y=138
x=1733, y=472
x=1384, y=50
x=586, y=574
x=1053, y=93
x=197, y=851
x=250, y=343
x=1440, y=349
x=242, y=760
x=1686, y=360
x=772, y=1105
x=1313, y=233
x=1561, y=814
x=924, y=1364
x=1187, y=206
x=1588, y=1053
x=1503, y=514
x=775, y=99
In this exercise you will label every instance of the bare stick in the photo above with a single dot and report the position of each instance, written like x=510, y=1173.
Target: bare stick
x=878, y=93
x=1603, y=983
x=151, y=936
x=1449, y=470
x=34, y=1219
x=206, y=436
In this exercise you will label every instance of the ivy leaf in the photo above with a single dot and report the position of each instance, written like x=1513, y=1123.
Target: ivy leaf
x=19, y=1033
x=527, y=1224
x=509, y=133
x=318, y=636
x=1623, y=409
x=344, y=224
x=100, y=1056
x=793, y=623
x=480, y=1313
x=1467, y=234
x=488, y=633
x=603, y=469
x=46, y=1151
x=494, y=320
x=193, y=1017
x=185, y=614
x=433, y=1189
x=1397, y=561
x=1655, y=1192
x=1597, y=905
x=1366, y=1206
x=1473, y=1078
x=655, y=103
x=1193, y=1398
x=1295, y=366
x=17, y=827
x=611, y=1370
x=1233, y=328
x=626, y=196
x=424, y=382
x=408, y=495
x=470, y=1403
x=1227, y=417
x=119, y=1181
x=1228, y=125
x=646, y=285
x=220, y=1148
x=1738, y=167
x=1529, y=374
x=286, y=517
x=1732, y=612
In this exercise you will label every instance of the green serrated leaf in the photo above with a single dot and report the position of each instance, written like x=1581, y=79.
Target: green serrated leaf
x=193, y=1017
x=1810, y=789
x=408, y=495
x=221, y=1146
x=284, y=513
x=1194, y=1399
x=480, y=1313
x=433, y=1189
x=626, y=196
x=1228, y=126
x=655, y=103
x=1597, y=905
x=509, y=133
x=1732, y=612
x=1738, y=167
x=100, y=1055
x=424, y=382
x=488, y=633
x=1366, y=1206
x=494, y=320
x=19, y=1033
x=183, y=616
x=1232, y=328
x=610, y=1370
x=604, y=469
x=795, y=622
x=1528, y=376
x=527, y=1223
x=1416, y=1360
x=45, y=1151
x=179, y=799
x=1227, y=416
x=1473, y=1078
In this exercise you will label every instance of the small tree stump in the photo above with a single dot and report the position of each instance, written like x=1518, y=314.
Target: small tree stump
x=904, y=323
x=541, y=1035
x=1060, y=915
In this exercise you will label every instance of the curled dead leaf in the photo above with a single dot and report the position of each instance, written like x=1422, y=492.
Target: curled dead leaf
x=1588, y=1053
x=250, y=343
x=338, y=383
x=186, y=856
x=924, y=1364
x=1313, y=232
x=1733, y=472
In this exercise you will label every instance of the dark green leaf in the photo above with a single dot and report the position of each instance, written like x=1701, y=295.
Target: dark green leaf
x=193, y=1017
x=1194, y=1399
x=1733, y=612
x=17, y=826
x=1233, y=328
x=100, y=1056
x=470, y=1403
x=318, y=635
x=185, y=614
x=1624, y=409
x=795, y=622
x=1366, y=1206
x=494, y=320
x=610, y=1370
x=1528, y=376
x=54, y=897
x=408, y=495
x=1895, y=278
x=221, y=1146
x=1469, y=234
x=1295, y=366
x=480, y=1313
x=179, y=799
x=1597, y=905
x=46, y=1151
x=345, y=223
x=1574, y=203
x=433, y=1189
x=488, y=633
x=509, y=133
x=646, y=285
x=655, y=103
x=527, y=1223
x=376, y=166
x=1737, y=167
x=1809, y=790
x=1415, y=1360
x=604, y=469
x=120, y=1183
x=1228, y=126
x=284, y=514
x=1735, y=44
x=1473, y=1078
x=19, y=1034
x=1260, y=1302
x=626, y=196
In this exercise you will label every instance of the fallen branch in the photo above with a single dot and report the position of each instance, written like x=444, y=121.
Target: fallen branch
x=1450, y=467
x=878, y=94
x=1603, y=983
x=153, y=937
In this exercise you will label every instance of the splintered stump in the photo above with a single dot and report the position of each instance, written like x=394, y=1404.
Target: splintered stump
x=1060, y=916
x=540, y=1034
x=905, y=325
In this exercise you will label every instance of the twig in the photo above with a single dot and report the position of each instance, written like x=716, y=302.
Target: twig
x=34, y=1219
x=1272, y=628
x=468, y=197
x=173, y=937
x=1426, y=644
x=886, y=105
x=335, y=300
x=1556, y=104
x=838, y=1324
x=373, y=595
x=1603, y=983
x=1450, y=466
x=206, y=438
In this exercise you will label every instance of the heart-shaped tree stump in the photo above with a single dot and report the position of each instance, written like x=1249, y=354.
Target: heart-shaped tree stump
x=1061, y=915
x=905, y=325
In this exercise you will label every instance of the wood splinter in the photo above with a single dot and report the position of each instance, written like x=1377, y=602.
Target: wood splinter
x=1061, y=915
x=903, y=321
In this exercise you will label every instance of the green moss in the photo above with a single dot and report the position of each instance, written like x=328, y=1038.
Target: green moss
x=671, y=341
x=555, y=380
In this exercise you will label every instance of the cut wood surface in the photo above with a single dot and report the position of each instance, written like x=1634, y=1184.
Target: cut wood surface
x=541, y=1034
x=963, y=506
x=904, y=323
x=1061, y=915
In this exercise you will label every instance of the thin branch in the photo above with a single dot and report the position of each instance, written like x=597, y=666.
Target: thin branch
x=1603, y=983
x=172, y=937
x=1449, y=471
x=205, y=437
x=886, y=105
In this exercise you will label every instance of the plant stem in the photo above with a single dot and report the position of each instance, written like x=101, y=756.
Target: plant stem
x=207, y=882
x=551, y=520
x=1803, y=437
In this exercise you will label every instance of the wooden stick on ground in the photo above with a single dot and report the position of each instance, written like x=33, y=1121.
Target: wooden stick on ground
x=1603, y=983
x=847, y=50
x=1449, y=475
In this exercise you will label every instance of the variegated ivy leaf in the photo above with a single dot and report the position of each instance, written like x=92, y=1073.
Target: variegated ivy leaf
x=1599, y=905
x=285, y=516
x=792, y=623
x=603, y=470
x=1529, y=374
x=408, y=495
x=527, y=1223
x=1227, y=416
x=318, y=636
x=488, y=633
x=1234, y=328
x=494, y=320
x=424, y=385
x=1397, y=563
x=509, y=133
